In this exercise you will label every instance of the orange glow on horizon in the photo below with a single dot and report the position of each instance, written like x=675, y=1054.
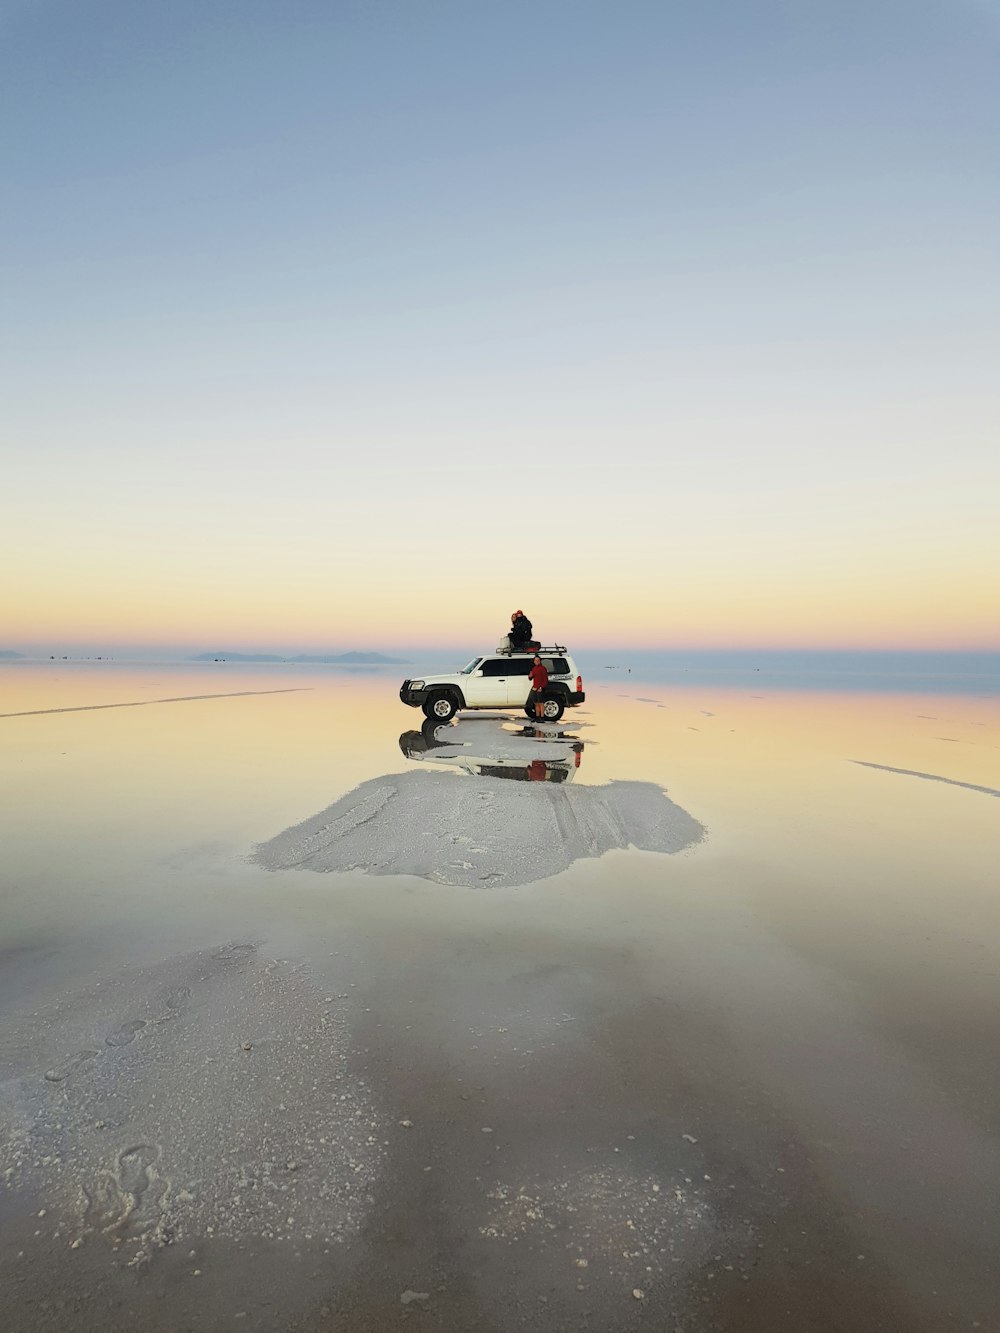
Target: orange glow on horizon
x=393, y=587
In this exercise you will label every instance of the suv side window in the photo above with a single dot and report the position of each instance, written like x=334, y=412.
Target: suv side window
x=496, y=666
x=556, y=666
x=520, y=666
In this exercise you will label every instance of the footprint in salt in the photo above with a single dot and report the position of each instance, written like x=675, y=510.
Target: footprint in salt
x=135, y=1167
x=125, y=1033
x=73, y=1064
x=234, y=953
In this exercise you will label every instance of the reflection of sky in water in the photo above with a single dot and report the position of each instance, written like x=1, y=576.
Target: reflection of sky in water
x=855, y=672
x=146, y=813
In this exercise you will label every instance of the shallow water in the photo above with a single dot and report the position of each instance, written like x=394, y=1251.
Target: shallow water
x=753, y=1079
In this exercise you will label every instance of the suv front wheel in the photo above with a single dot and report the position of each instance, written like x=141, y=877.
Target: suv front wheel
x=440, y=708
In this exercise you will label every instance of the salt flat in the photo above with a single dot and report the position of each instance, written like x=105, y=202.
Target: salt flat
x=716, y=1028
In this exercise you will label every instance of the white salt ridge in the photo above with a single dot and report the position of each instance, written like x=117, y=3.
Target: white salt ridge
x=478, y=832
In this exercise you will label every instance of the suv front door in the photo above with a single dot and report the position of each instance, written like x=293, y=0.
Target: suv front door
x=487, y=686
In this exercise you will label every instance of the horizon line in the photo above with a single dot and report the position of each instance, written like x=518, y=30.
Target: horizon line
x=187, y=651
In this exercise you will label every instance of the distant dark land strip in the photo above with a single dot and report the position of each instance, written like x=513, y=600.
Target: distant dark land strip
x=931, y=777
x=141, y=703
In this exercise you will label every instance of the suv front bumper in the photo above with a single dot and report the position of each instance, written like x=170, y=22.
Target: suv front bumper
x=414, y=698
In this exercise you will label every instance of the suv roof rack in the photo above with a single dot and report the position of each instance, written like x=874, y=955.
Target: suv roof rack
x=548, y=648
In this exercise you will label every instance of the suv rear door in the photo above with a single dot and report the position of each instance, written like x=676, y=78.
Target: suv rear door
x=518, y=683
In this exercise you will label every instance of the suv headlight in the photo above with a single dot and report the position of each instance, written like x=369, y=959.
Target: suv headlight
x=416, y=684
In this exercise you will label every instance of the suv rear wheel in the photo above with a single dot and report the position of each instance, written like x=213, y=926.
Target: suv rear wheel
x=552, y=709
x=440, y=708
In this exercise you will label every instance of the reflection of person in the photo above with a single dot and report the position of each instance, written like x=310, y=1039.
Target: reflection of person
x=539, y=678
x=539, y=770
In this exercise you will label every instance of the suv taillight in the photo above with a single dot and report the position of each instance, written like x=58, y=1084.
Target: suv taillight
x=579, y=684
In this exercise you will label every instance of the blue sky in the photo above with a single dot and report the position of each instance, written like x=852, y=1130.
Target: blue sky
x=734, y=264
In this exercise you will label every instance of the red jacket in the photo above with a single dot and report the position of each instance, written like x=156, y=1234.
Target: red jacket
x=539, y=677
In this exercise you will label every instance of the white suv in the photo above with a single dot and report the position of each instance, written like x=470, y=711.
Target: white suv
x=499, y=680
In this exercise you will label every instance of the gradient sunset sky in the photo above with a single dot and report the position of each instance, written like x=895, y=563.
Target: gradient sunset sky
x=339, y=325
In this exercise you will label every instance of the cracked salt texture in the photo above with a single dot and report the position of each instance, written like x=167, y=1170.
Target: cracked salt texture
x=136, y=1112
x=620, y=1226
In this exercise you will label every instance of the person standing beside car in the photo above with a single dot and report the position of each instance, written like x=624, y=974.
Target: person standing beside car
x=539, y=678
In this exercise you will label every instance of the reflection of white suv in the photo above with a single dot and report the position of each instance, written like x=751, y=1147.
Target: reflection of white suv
x=499, y=680
x=559, y=759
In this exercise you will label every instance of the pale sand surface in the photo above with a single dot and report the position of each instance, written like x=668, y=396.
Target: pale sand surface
x=750, y=1074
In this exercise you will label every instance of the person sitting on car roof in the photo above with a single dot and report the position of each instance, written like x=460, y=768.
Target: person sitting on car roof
x=520, y=632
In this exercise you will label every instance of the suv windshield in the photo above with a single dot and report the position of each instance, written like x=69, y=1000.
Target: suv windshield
x=468, y=670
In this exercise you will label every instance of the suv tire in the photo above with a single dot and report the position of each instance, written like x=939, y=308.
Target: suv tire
x=440, y=708
x=553, y=708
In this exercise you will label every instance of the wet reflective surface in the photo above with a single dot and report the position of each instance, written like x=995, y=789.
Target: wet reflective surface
x=476, y=833
x=753, y=1079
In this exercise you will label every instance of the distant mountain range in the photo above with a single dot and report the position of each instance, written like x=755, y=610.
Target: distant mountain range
x=236, y=657
x=7, y=653
x=344, y=659
x=353, y=659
